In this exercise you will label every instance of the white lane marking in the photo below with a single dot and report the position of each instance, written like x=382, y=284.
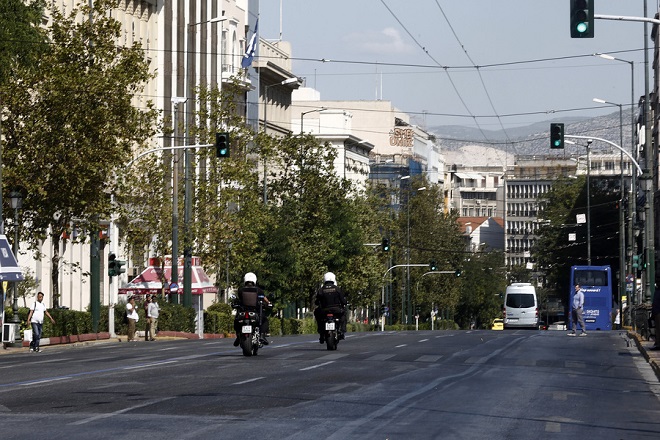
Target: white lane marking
x=153, y=364
x=380, y=357
x=402, y=345
x=422, y=340
x=249, y=380
x=37, y=382
x=121, y=411
x=316, y=366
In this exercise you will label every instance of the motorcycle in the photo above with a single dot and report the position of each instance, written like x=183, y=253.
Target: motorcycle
x=249, y=337
x=333, y=332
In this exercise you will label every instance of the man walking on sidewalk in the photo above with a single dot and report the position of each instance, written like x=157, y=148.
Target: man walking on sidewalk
x=578, y=303
x=36, y=319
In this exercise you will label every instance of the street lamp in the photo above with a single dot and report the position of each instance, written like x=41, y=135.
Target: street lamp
x=407, y=309
x=632, y=209
x=187, y=248
x=266, y=88
x=622, y=228
x=16, y=198
x=302, y=116
x=174, y=298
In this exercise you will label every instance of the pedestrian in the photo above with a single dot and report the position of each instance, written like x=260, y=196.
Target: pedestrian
x=36, y=320
x=152, y=317
x=133, y=318
x=147, y=324
x=655, y=315
x=578, y=303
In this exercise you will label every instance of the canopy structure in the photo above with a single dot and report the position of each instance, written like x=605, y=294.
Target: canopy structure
x=156, y=277
x=9, y=270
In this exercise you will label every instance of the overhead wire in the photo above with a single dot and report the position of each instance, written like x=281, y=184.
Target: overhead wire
x=451, y=80
x=478, y=70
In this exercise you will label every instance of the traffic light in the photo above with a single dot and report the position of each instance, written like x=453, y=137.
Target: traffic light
x=222, y=145
x=637, y=261
x=433, y=265
x=112, y=264
x=556, y=135
x=385, y=244
x=458, y=273
x=582, y=18
x=115, y=266
x=118, y=267
x=382, y=309
x=418, y=309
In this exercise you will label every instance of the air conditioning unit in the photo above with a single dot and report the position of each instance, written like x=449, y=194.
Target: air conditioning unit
x=9, y=332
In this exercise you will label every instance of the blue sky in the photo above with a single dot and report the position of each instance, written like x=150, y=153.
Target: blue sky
x=421, y=55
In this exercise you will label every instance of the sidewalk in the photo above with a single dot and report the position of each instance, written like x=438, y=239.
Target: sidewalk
x=645, y=347
x=103, y=337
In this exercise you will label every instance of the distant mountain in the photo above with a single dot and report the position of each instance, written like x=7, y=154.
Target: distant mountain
x=534, y=139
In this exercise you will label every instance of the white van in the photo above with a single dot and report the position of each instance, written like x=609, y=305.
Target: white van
x=520, y=306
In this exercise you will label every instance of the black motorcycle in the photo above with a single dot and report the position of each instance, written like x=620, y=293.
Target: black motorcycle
x=249, y=336
x=333, y=332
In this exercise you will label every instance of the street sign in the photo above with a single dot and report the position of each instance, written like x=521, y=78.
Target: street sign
x=174, y=288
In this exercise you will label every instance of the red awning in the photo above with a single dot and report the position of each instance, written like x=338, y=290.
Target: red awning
x=154, y=278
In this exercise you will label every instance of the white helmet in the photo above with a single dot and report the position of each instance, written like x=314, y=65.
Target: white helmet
x=329, y=277
x=250, y=278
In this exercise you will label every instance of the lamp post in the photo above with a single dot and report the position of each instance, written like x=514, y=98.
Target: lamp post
x=16, y=198
x=302, y=117
x=588, y=202
x=174, y=298
x=266, y=88
x=632, y=200
x=187, y=245
x=622, y=228
x=405, y=302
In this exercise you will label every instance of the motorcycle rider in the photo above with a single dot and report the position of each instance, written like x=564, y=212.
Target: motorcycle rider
x=248, y=299
x=330, y=298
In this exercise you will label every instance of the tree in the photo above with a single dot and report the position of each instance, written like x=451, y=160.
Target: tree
x=22, y=40
x=71, y=124
x=483, y=280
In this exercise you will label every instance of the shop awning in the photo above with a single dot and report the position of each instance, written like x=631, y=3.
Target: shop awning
x=9, y=269
x=154, y=278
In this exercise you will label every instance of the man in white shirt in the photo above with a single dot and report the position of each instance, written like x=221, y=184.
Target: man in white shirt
x=578, y=303
x=36, y=319
x=152, y=315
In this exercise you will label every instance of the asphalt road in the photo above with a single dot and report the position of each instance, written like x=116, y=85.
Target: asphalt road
x=394, y=385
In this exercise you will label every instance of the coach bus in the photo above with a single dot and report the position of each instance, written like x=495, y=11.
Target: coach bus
x=596, y=283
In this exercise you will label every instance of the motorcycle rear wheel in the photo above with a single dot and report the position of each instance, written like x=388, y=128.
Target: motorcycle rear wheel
x=246, y=345
x=331, y=340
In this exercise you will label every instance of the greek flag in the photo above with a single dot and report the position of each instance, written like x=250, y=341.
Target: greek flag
x=251, y=48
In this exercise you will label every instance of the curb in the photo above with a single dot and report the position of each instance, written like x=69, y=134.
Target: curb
x=653, y=357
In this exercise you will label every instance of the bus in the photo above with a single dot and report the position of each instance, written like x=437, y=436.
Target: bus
x=596, y=282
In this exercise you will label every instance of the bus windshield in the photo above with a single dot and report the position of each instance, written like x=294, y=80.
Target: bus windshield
x=590, y=277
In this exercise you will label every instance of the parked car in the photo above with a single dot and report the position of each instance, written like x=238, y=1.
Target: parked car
x=498, y=324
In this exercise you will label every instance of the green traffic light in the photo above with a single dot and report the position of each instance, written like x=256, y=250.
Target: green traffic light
x=582, y=27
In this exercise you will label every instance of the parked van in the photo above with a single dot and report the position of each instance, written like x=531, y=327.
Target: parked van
x=520, y=306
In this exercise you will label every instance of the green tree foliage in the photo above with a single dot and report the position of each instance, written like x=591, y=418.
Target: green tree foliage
x=554, y=252
x=433, y=235
x=71, y=123
x=22, y=41
x=482, y=281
